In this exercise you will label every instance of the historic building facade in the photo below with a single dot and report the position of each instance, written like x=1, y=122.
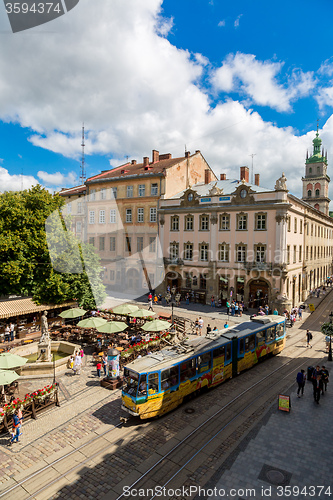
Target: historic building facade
x=234, y=239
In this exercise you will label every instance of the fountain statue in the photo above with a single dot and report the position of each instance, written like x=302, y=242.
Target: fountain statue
x=44, y=345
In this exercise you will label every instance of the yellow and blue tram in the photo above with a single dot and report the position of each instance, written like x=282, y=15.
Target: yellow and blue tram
x=161, y=381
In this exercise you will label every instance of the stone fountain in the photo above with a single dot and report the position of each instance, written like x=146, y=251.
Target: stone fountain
x=44, y=345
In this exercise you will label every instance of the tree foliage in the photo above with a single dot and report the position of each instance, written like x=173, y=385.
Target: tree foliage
x=327, y=329
x=25, y=264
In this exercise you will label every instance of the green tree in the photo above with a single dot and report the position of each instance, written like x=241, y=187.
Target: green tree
x=26, y=267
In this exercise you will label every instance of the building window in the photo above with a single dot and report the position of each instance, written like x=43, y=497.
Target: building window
x=289, y=223
x=311, y=253
x=153, y=214
x=300, y=253
x=103, y=194
x=174, y=251
x=311, y=229
x=112, y=243
x=204, y=222
x=69, y=208
x=114, y=191
x=112, y=275
x=142, y=189
x=128, y=215
x=129, y=191
x=307, y=253
x=91, y=217
x=309, y=193
x=154, y=190
x=203, y=249
x=113, y=216
x=175, y=223
x=78, y=227
x=224, y=222
x=139, y=244
x=102, y=243
x=79, y=207
x=294, y=255
x=203, y=281
x=260, y=222
x=295, y=225
x=92, y=241
x=188, y=251
x=224, y=252
x=240, y=253
x=152, y=244
x=140, y=215
x=102, y=217
x=301, y=226
x=317, y=192
x=288, y=254
x=241, y=222
x=189, y=223
x=128, y=246
x=92, y=194
x=260, y=252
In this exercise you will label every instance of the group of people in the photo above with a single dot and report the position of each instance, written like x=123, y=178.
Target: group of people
x=75, y=362
x=235, y=308
x=319, y=378
x=9, y=334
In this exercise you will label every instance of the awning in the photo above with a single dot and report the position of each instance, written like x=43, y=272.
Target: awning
x=20, y=307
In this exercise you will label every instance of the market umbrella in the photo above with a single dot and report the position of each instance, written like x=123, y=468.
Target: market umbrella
x=142, y=313
x=9, y=360
x=112, y=327
x=7, y=377
x=75, y=312
x=157, y=325
x=124, y=309
x=91, y=322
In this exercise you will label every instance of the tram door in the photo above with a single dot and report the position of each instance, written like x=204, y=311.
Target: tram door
x=234, y=355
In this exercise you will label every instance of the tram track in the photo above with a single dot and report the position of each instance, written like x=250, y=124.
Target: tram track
x=199, y=433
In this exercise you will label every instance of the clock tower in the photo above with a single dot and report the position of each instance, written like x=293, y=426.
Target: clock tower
x=316, y=180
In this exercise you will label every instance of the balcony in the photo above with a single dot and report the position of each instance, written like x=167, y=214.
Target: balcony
x=175, y=261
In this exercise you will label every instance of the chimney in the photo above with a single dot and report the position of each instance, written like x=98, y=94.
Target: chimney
x=145, y=161
x=197, y=151
x=223, y=177
x=133, y=162
x=256, y=179
x=207, y=176
x=187, y=154
x=244, y=174
x=166, y=156
x=156, y=156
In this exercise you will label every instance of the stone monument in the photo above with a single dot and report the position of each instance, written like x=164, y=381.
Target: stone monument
x=44, y=345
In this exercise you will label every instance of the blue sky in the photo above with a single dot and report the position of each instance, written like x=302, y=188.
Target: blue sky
x=229, y=79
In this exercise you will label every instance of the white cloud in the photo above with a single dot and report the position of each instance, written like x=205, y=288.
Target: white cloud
x=10, y=182
x=257, y=80
x=236, y=23
x=221, y=23
x=57, y=179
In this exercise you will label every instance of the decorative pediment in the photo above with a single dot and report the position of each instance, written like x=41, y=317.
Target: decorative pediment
x=190, y=198
x=243, y=194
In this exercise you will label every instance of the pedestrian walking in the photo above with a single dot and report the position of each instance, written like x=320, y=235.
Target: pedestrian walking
x=7, y=333
x=308, y=338
x=12, y=331
x=208, y=329
x=317, y=388
x=16, y=428
x=20, y=417
x=196, y=326
x=212, y=301
x=300, y=379
x=300, y=312
x=150, y=306
x=187, y=299
x=328, y=341
x=105, y=364
x=77, y=364
x=201, y=324
x=99, y=367
x=324, y=376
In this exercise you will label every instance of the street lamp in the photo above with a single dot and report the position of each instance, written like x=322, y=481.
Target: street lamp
x=330, y=349
x=172, y=306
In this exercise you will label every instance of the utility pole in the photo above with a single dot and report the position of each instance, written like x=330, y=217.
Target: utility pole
x=252, y=175
x=83, y=173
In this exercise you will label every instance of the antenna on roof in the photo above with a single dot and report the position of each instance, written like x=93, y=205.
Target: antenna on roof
x=83, y=173
x=252, y=177
x=185, y=149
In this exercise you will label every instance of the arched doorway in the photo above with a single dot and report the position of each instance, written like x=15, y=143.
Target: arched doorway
x=173, y=279
x=259, y=293
x=133, y=279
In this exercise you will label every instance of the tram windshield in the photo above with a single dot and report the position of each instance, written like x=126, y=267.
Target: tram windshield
x=131, y=382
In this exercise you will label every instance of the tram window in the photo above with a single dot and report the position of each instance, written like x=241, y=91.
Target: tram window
x=270, y=334
x=204, y=362
x=241, y=346
x=250, y=343
x=142, y=385
x=218, y=352
x=228, y=352
x=261, y=336
x=131, y=380
x=152, y=382
x=187, y=370
x=279, y=329
x=169, y=378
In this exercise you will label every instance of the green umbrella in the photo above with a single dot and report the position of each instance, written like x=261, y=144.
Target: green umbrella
x=112, y=327
x=91, y=322
x=124, y=309
x=9, y=360
x=157, y=325
x=7, y=377
x=142, y=313
x=75, y=312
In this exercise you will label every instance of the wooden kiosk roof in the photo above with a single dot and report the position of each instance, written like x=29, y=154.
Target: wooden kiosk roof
x=20, y=307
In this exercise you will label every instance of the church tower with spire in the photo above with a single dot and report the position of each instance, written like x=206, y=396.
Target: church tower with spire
x=316, y=180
